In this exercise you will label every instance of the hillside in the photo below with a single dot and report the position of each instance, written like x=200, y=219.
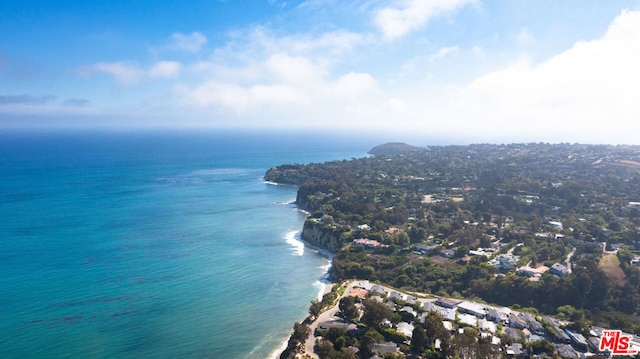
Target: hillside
x=395, y=149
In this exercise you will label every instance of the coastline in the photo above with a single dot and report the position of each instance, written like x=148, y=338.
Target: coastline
x=324, y=283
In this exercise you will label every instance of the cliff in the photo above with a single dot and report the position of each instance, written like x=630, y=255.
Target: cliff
x=321, y=235
x=286, y=174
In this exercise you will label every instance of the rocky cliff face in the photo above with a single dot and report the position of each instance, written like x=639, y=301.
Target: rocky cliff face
x=321, y=236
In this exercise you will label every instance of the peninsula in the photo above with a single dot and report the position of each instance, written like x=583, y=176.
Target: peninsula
x=546, y=229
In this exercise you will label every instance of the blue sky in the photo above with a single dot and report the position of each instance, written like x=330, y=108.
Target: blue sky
x=469, y=70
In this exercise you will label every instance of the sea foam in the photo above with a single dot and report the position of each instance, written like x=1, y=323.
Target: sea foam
x=293, y=238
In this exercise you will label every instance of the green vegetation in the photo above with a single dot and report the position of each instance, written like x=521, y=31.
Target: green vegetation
x=441, y=217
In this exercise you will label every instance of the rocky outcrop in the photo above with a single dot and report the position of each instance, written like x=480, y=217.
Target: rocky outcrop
x=321, y=235
x=285, y=174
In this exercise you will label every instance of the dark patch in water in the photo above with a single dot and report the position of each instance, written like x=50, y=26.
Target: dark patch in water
x=95, y=301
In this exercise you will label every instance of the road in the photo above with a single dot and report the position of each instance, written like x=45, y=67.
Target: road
x=568, y=260
x=325, y=316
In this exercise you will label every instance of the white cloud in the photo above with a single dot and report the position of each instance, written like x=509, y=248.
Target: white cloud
x=410, y=15
x=128, y=73
x=164, y=69
x=587, y=93
x=443, y=52
x=280, y=80
x=192, y=42
x=259, y=72
x=125, y=73
x=353, y=86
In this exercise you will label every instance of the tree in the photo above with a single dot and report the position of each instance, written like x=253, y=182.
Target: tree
x=461, y=251
x=300, y=332
x=375, y=313
x=372, y=336
x=434, y=329
x=418, y=339
x=403, y=239
x=325, y=350
x=316, y=308
x=467, y=344
x=348, y=308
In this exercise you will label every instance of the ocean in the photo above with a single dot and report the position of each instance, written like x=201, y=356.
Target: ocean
x=154, y=244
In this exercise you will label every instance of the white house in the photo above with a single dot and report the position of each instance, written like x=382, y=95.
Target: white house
x=406, y=329
x=472, y=308
x=557, y=225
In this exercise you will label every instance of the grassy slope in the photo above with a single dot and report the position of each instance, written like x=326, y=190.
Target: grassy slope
x=611, y=267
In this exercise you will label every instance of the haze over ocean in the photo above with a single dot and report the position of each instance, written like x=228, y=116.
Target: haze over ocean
x=155, y=245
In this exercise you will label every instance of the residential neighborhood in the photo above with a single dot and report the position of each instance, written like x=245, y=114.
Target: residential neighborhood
x=513, y=333
x=546, y=230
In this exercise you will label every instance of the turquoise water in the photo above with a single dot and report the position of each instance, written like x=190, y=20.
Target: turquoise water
x=153, y=245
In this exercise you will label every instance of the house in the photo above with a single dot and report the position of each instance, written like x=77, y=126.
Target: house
x=633, y=205
x=447, y=302
x=406, y=329
x=560, y=336
x=478, y=253
x=512, y=333
x=384, y=348
x=535, y=338
x=393, y=230
x=409, y=310
x=425, y=249
x=429, y=307
x=559, y=270
x=556, y=225
x=594, y=343
x=472, y=308
x=577, y=339
x=534, y=274
x=468, y=319
x=445, y=313
x=553, y=321
x=514, y=349
x=378, y=289
x=517, y=322
x=447, y=253
x=487, y=326
x=397, y=295
x=337, y=324
x=498, y=315
x=533, y=325
x=369, y=243
x=504, y=261
x=359, y=293
x=363, y=227
x=411, y=299
x=566, y=351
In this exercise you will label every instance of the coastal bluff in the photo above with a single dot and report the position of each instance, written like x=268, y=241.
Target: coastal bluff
x=319, y=235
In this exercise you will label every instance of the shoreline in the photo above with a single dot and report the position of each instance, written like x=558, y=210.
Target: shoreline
x=324, y=284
